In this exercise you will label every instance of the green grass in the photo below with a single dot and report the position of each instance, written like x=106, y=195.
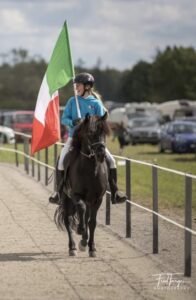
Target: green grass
x=171, y=186
x=6, y=156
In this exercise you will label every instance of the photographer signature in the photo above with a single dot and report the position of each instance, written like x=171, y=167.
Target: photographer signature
x=169, y=281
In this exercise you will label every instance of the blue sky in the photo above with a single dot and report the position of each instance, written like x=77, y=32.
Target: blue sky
x=120, y=32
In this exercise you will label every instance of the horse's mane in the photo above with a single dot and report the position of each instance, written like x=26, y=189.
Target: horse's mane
x=84, y=127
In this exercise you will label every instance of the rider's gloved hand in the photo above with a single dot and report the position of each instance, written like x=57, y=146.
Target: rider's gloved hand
x=77, y=121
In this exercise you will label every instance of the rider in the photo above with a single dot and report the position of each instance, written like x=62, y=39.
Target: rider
x=89, y=102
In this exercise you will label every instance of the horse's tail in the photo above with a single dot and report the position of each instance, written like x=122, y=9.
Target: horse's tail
x=59, y=217
x=65, y=213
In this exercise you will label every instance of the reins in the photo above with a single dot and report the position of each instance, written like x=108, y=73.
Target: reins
x=88, y=155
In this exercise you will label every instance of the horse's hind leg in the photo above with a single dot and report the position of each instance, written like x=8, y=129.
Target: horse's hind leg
x=63, y=218
x=92, y=225
x=72, y=245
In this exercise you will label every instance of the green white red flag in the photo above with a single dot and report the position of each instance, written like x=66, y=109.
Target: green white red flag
x=46, y=122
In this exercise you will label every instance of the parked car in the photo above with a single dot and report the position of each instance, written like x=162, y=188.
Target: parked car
x=144, y=130
x=6, y=135
x=188, y=119
x=20, y=121
x=178, y=137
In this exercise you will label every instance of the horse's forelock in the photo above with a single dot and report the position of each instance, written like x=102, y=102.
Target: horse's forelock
x=94, y=124
x=100, y=124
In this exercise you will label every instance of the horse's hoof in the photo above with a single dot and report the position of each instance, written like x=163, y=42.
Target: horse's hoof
x=81, y=246
x=72, y=252
x=92, y=254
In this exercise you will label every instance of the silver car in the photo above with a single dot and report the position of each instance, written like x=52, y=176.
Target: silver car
x=7, y=135
x=144, y=130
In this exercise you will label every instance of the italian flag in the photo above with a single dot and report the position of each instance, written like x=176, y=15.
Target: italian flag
x=46, y=122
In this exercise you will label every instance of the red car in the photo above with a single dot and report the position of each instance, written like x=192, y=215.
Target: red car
x=20, y=121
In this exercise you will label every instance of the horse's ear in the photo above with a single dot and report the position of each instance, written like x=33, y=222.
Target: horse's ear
x=104, y=117
x=87, y=118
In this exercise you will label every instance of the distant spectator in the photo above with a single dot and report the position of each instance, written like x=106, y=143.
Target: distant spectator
x=122, y=135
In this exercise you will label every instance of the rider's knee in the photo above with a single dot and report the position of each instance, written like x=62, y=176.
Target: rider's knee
x=112, y=162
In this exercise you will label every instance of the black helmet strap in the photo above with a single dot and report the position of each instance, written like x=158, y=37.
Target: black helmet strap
x=85, y=89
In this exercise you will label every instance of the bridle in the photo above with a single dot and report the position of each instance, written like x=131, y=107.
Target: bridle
x=93, y=148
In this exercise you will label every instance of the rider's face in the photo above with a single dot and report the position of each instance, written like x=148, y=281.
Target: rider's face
x=79, y=89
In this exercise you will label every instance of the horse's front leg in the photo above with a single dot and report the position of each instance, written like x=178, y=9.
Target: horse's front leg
x=72, y=245
x=83, y=242
x=92, y=225
x=81, y=210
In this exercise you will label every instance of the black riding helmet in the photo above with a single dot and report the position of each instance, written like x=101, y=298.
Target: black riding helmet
x=84, y=78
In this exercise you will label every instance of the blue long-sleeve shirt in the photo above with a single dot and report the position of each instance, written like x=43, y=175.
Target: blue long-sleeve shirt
x=90, y=105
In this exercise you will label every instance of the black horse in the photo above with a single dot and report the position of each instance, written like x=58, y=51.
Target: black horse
x=86, y=182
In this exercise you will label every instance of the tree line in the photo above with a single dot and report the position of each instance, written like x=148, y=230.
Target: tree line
x=171, y=75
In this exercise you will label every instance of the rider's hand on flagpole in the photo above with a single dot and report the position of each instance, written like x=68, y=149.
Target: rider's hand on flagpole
x=77, y=121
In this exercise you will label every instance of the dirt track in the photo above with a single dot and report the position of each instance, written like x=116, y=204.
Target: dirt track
x=34, y=262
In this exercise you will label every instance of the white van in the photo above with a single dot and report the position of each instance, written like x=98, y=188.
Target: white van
x=118, y=115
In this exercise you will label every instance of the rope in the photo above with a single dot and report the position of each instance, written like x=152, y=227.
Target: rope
x=28, y=156
x=158, y=167
x=163, y=217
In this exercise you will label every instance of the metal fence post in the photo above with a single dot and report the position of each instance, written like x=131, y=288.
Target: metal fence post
x=107, y=212
x=27, y=142
x=55, y=154
x=16, y=153
x=46, y=167
x=188, y=223
x=26, y=151
x=155, y=219
x=25, y=159
x=55, y=163
x=33, y=167
x=128, y=193
x=38, y=166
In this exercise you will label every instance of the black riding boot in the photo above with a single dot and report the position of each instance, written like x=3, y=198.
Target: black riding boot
x=115, y=195
x=59, y=187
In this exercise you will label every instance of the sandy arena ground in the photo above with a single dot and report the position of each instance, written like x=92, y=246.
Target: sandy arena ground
x=34, y=261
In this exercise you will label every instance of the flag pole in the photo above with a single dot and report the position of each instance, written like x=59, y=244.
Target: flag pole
x=73, y=72
x=77, y=102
